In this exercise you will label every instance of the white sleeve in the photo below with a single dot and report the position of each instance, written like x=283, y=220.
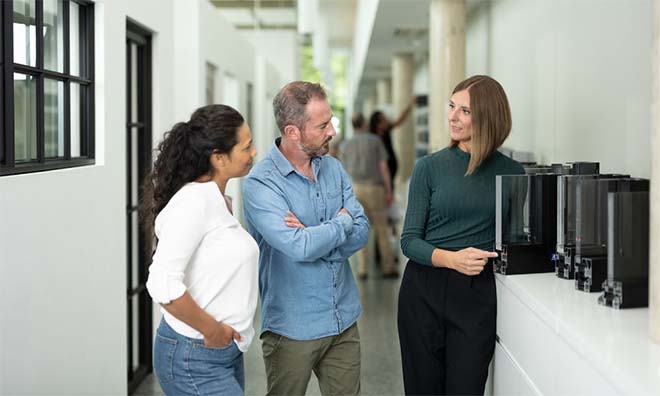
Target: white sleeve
x=179, y=234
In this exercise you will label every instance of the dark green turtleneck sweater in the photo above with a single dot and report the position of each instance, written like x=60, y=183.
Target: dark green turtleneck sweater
x=449, y=210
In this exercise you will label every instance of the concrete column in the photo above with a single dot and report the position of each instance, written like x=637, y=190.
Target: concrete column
x=403, y=137
x=654, y=276
x=446, y=64
x=383, y=96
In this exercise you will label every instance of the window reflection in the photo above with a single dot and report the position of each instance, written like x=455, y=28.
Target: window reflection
x=53, y=118
x=25, y=33
x=53, y=35
x=25, y=117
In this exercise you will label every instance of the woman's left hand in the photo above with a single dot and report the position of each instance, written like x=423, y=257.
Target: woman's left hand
x=292, y=221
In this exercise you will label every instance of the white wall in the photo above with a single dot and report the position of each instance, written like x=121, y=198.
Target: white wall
x=164, y=62
x=63, y=234
x=63, y=243
x=577, y=73
x=277, y=63
x=268, y=84
x=190, y=78
x=163, y=58
x=280, y=48
x=233, y=54
x=364, y=23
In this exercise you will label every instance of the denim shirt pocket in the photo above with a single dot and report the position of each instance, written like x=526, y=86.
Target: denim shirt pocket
x=334, y=201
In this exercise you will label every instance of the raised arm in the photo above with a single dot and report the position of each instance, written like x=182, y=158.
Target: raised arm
x=265, y=209
x=404, y=114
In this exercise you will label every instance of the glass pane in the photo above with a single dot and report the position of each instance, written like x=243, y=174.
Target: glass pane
x=512, y=209
x=25, y=117
x=135, y=135
x=628, y=235
x=54, y=35
x=135, y=327
x=76, y=121
x=74, y=40
x=566, y=210
x=134, y=82
x=53, y=118
x=135, y=249
x=25, y=32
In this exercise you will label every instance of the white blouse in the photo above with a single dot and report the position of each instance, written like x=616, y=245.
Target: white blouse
x=203, y=249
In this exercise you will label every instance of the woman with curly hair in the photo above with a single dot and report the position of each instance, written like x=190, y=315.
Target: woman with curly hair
x=204, y=270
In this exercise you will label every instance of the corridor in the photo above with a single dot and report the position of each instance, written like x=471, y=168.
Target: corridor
x=89, y=89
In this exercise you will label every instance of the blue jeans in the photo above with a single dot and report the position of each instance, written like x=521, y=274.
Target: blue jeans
x=184, y=366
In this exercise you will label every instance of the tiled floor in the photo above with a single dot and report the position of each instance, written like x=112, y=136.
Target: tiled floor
x=381, y=361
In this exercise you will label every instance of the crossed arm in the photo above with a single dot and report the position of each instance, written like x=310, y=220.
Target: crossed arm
x=268, y=211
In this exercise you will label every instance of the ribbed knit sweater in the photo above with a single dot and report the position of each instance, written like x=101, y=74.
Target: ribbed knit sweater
x=449, y=210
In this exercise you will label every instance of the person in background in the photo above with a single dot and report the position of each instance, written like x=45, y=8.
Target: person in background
x=301, y=209
x=204, y=270
x=365, y=159
x=380, y=126
x=447, y=302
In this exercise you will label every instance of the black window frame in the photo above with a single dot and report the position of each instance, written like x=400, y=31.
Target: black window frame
x=8, y=165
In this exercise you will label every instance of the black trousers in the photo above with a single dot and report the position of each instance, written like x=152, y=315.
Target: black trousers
x=446, y=330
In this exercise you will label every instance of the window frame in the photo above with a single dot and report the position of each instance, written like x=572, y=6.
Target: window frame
x=8, y=165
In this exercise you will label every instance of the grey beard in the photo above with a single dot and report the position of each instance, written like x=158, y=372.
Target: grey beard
x=318, y=152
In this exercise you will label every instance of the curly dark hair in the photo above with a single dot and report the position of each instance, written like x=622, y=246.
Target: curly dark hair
x=184, y=155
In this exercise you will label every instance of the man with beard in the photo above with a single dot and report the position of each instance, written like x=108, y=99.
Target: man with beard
x=301, y=210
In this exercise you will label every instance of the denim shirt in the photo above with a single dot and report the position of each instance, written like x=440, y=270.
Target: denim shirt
x=306, y=285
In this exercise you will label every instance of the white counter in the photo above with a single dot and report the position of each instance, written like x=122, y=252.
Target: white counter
x=555, y=340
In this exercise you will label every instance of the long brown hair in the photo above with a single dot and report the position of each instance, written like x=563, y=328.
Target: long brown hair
x=491, y=118
x=184, y=155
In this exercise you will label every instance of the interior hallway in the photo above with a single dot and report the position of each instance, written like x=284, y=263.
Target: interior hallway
x=381, y=358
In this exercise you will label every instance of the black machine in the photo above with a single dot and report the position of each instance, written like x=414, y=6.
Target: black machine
x=563, y=258
x=591, y=227
x=525, y=223
x=627, y=283
x=568, y=187
x=526, y=217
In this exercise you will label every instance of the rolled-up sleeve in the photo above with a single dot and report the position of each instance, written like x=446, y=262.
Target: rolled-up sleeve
x=179, y=233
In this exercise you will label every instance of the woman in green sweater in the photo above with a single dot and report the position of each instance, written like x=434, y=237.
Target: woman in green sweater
x=447, y=301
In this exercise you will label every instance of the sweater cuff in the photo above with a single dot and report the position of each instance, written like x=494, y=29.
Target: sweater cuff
x=427, y=254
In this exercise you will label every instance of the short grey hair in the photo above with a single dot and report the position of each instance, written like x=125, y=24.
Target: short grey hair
x=289, y=104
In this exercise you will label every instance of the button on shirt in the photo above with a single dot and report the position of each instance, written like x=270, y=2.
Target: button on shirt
x=306, y=284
